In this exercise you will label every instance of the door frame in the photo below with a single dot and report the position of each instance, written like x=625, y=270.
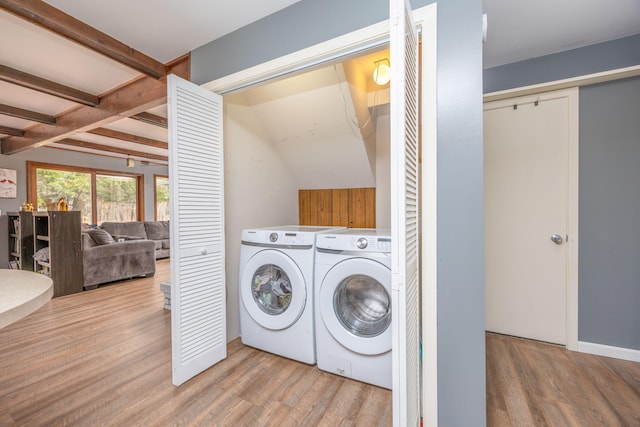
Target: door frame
x=377, y=35
x=572, y=96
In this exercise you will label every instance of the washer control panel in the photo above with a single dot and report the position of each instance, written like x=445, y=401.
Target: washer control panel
x=358, y=240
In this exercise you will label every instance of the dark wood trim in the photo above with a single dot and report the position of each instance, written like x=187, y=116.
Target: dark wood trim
x=181, y=66
x=33, y=116
x=116, y=134
x=94, y=199
x=151, y=119
x=140, y=197
x=52, y=19
x=39, y=84
x=140, y=95
x=32, y=183
x=110, y=149
x=11, y=131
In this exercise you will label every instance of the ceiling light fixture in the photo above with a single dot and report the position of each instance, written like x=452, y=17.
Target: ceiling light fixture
x=130, y=162
x=382, y=72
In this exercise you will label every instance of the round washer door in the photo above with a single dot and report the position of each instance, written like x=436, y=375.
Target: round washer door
x=272, y=289
x=355, y=305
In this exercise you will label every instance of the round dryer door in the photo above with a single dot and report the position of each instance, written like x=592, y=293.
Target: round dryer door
x=272, y=289
x=355, y=305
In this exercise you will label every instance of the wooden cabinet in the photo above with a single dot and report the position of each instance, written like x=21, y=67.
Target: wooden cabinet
x=346, y=207
x=59, y=231
x=21, y=239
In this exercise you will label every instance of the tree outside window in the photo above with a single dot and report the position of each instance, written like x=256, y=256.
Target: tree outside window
x=162, y=197
x=99, y=195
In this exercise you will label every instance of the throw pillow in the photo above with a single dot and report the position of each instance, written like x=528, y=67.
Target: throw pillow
x=101, y=237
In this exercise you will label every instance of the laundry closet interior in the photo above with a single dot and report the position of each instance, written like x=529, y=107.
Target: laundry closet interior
x=311, y=148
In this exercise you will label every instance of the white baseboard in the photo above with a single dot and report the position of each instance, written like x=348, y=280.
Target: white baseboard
x=609, y=351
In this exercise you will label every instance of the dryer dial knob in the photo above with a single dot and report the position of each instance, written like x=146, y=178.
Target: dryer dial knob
x=273, y=237
x=362, y=243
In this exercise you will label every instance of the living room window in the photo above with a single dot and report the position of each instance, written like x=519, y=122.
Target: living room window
x=99, y=195
x=161, y=195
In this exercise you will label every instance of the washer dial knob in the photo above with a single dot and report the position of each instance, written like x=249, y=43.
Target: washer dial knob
x=361, y=243
x=273, y=237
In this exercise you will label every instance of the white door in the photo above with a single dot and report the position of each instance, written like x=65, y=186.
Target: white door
x=526, y=180
x=404, y=215
x=273, y=290
x=356, y=308
x=198, y=322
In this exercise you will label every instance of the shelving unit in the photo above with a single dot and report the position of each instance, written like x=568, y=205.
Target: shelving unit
x=59, y=231
x=21, y=239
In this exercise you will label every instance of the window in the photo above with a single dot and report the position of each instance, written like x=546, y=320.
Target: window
x=99, y=195
x=161, y=194
x=116, y=198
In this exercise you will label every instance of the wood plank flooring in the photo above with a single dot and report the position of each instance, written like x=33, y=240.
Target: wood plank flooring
x=103, y=358
x=537, y=384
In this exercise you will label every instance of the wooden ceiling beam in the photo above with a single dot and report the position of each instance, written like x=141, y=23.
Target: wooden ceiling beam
x=136, y=97
x=110, y=149
x=11, y=131
x=52, y=19
x=116, y=134
x=39, y=84
x=20, y=113
x=151, y=119
x=141, y=95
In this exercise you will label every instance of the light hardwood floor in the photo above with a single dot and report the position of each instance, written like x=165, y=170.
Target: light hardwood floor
x=531, y=383
x=103, y=358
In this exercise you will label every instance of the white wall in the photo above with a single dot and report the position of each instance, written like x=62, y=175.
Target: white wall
x=383, y=170
x=260, y=190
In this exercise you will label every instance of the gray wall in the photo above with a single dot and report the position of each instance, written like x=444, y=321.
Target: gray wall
x=620, y=53
x=610, y=214
x=461, y=339
x=461, y=356
x=69, y=158
x=609, y=249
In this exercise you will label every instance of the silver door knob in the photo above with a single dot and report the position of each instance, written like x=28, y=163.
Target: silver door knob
x=557, y=239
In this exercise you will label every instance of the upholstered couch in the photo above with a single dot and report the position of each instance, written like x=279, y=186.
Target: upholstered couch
x=157, y=231
x=106, y=260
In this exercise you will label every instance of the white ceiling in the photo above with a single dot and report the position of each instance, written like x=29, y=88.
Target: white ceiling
x=518, y=29
x=167, y=29
x=523, y=29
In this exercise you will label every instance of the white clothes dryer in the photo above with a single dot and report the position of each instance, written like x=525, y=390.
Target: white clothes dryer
x=276, y=290
x=353, y=304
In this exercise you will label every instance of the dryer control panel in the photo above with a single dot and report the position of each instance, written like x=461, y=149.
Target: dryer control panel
x=358, y=240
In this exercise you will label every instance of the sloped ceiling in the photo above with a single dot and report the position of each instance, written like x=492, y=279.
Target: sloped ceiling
x=311, y=121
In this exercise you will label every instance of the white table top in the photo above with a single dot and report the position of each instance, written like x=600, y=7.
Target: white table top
x=21, y=293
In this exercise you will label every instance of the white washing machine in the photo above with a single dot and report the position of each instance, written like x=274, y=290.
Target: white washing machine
x=276, y=290
x=353, y=304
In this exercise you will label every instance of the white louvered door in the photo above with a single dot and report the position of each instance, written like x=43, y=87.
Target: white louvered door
x=198, y=325
x=404, y=215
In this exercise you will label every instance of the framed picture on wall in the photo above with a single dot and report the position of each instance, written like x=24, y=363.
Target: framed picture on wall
x=8, y=184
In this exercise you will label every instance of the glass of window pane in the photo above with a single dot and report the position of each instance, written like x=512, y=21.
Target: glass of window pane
x=162, y=198
x=74, y=187
x=116, y=198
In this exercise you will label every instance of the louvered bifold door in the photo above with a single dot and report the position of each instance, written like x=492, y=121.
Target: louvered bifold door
x=198, y=326
x=404, y=215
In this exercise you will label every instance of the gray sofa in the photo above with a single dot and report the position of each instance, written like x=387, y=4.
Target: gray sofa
x=106, y=260
x=157, y=231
